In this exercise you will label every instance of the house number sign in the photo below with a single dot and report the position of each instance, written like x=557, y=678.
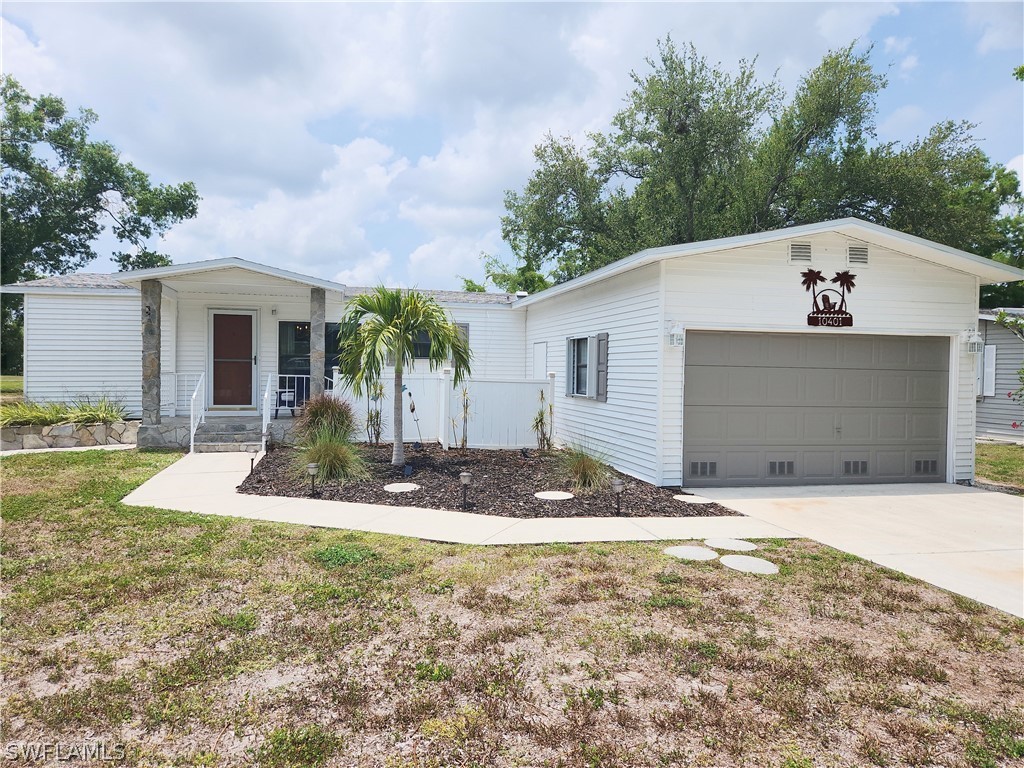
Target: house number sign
x=829, y=304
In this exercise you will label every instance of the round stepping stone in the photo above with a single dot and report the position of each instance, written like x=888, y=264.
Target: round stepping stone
x=553, y=495
x=690, y=499
x=749, y=564
x=401, y=487
x=736, y=545
x=692, y=553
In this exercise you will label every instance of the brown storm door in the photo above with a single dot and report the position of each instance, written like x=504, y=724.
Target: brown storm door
x=233, y=359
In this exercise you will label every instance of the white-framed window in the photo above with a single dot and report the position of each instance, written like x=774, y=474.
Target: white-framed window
x=985, y=383
x=421, y=344
x=586, y=367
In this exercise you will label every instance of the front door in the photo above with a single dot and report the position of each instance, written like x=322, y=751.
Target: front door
x=234, y=358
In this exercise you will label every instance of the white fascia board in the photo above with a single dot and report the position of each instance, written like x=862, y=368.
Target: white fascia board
x=987, y=270
x=38, y=290
x=177, y=270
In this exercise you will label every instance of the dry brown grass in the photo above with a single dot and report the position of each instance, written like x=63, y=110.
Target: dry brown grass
x=202, y=641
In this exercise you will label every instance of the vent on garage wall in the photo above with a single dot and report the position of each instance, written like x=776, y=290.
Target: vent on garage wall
x=855, y=467
x=799, y=253
x=781, y=468
x=857, y=256
x=703, y=469
x=926, y=467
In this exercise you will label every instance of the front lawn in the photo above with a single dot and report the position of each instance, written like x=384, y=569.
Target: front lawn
x=215, y=641
x=1000, y=463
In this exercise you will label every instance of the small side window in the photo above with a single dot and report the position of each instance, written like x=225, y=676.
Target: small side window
x=586, y=367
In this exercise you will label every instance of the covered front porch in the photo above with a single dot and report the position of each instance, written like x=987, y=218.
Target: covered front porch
x=229, y=338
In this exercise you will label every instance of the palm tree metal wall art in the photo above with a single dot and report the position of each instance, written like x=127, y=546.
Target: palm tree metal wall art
x=826, y=310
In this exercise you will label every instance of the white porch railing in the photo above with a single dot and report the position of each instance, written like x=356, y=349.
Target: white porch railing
x=197, y=411
x=266, y=413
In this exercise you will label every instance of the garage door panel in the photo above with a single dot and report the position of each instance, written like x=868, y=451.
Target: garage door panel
x=803, y=408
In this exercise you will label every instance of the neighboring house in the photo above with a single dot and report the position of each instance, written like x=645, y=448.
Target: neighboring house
x=997, y=377
x=826, y=353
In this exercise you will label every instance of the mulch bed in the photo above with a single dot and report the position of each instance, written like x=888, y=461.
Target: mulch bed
x=503, y=484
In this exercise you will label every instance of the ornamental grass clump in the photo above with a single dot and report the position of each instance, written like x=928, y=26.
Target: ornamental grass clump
x=86, y=411
x=324, y=414
x=338, y=459
x=586, y=471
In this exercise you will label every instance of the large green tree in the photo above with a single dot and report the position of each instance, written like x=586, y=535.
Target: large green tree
x=698, y=152
x=60, y=189
x=383, y=327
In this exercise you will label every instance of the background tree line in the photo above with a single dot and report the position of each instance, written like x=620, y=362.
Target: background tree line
x=699, y=152
x=59, y=190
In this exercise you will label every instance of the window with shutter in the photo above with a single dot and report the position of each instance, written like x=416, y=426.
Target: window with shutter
x=586, y=367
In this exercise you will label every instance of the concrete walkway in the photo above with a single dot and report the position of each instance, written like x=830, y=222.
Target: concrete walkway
x=966, y=540
x=205, y=483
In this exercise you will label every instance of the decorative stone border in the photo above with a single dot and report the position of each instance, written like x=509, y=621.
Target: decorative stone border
x=69, y=435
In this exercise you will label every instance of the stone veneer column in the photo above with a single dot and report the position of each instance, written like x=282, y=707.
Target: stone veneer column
x=151, y=294
x=317, y=328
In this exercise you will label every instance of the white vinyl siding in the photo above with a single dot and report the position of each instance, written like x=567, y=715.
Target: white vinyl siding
x=623, y=428
x=996, y=411
x=77, y=345
x=756, y=288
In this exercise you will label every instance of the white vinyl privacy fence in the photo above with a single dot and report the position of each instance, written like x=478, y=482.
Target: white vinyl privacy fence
x=499, y=412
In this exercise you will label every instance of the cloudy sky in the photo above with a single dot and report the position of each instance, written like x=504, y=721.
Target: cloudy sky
x=374, y=142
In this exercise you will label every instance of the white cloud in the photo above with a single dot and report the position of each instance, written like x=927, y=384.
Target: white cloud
x=908, y=121
x=446, y=257
x=896, y=45
x=907, y=65
x=839, y=24
x=1001, y=25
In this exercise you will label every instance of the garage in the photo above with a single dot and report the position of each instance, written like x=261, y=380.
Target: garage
x=814, y=408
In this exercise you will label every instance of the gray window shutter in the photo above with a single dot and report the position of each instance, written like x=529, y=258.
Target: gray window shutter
x=602, y=367
x=568, y=367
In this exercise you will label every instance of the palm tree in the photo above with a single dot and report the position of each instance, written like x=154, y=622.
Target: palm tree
x=811, y=279
x=381, y=328
x=845, y=281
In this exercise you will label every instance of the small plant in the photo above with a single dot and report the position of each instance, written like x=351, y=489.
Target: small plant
x=326, y=413
x=297, y=747
x=434, y=671
x=543, y=424
x=464, y=399
x=587, y=472
x=374, y=421
x=243, y=621
x=340, y=555
x=338, y=459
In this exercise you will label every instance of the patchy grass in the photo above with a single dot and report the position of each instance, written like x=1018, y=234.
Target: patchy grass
x=1000, y=463
x=223, y=642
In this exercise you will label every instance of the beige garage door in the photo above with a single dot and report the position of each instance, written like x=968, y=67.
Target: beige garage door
x=802, y=409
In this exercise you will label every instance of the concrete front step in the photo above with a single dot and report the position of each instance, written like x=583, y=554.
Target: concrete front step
x=226, y=447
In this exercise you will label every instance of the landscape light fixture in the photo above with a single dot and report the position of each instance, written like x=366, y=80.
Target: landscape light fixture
x=465, y=478
x=312, y=469
x=252, y=459
x=618, y=486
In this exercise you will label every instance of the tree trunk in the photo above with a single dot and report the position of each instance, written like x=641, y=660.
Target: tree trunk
x=398, y=453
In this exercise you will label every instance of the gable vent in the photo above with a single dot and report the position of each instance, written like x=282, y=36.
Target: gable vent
x=799, y=253
x=857, y=256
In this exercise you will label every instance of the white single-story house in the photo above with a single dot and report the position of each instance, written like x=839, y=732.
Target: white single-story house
x=997, y=377
x=838, y=352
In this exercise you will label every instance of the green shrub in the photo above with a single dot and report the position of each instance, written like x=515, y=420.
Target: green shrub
x=586, y=471
x=327, y=414
x=102, y=411
x=35, y=414
x=339, y=460
x=84, y=411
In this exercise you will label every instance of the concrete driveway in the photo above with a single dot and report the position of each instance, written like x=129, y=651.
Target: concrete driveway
x=965, y=540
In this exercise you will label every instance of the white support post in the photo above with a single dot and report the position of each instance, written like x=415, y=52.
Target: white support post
x=445, y=406
x=336, y=388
